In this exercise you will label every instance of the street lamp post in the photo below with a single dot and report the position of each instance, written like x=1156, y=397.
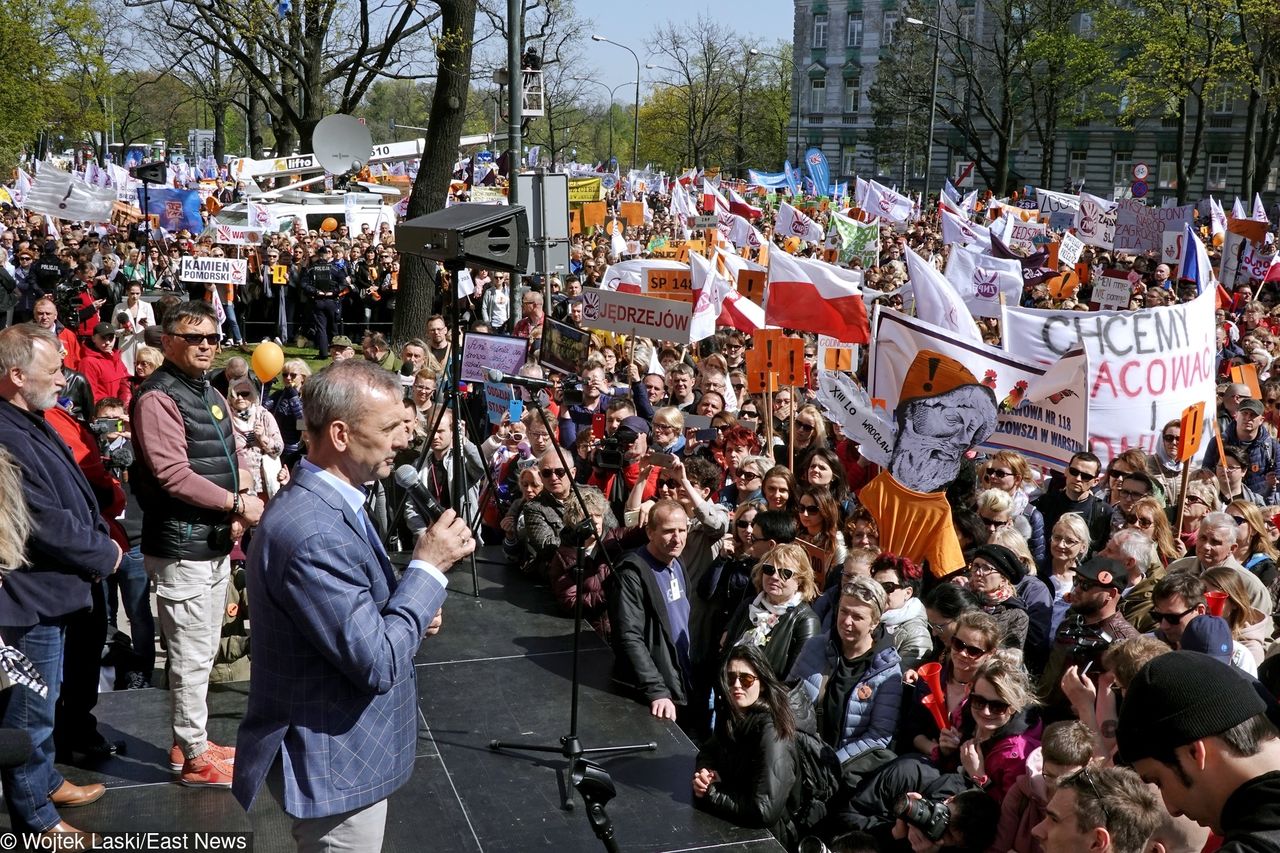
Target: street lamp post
x=612, y=94
x=794, y=85
x=635, y=141
x=933, y=91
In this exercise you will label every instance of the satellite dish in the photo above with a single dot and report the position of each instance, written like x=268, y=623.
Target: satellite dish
x=342, y=144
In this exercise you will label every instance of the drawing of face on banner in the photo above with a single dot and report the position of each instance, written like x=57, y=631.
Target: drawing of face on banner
x=943, y=411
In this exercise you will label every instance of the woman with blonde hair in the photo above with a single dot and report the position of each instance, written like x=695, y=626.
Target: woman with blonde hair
x=1009, y=472
x=1250, y=627
x=15, y=520
x=1148, y=515
x=286, y=404
x=778, y=619
x=1254, y=548
x=1202, y=499
x=1068, y=546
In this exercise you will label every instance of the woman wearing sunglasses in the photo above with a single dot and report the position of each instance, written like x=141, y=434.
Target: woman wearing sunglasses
x=819, y=517
x=1009, y=472
x=746, y=481
x=1254, y=548
x=973, y=636
x=1202, y=499
x=725, y=584
x=748, y=772
x=286, y=404
x=778, y=619
x=853, y=677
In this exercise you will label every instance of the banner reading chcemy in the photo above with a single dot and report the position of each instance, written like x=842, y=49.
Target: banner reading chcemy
x=214, y=270
x=1145, y=366
x=1047, y=429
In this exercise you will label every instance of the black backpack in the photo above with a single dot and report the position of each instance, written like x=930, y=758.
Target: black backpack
x=816, y=764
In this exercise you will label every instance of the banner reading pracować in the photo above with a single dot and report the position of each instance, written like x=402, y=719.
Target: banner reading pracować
x=1145, y=366
x=1041, y=409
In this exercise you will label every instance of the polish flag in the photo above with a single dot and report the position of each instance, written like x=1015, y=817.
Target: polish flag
x=712, y=201
x=812, y=296
x=740, y=206
x=1273, y=271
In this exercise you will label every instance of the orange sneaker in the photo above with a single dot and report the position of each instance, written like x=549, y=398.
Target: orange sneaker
x=206, y=771
x=177, y=759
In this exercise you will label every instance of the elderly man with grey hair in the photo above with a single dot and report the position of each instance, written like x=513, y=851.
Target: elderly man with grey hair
x=1214, y=547
x=1135, y=550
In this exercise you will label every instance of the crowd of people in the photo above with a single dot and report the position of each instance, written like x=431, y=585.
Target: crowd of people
x=1108, y=643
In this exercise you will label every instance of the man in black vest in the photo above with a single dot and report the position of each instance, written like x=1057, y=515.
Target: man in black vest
x=68, y=550
x=188, y=479
x=323, y=281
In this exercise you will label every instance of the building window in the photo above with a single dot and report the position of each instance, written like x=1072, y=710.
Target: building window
x=1078, y=167
x=1167, y=172
x=1216, y=176
x=818, y=96
x=849, y=160
x=1122, y=168
x=890, y=25
x=852, y=94
x=1223, y=99
x=855, y=29
x=1085, y=27
x=964, y=24
x=820, y=29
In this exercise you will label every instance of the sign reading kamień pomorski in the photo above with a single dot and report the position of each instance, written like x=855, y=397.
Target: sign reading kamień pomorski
x=626, y=313
x=215, y=270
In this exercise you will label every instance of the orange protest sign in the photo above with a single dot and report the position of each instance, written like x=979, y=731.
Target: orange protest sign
x=761, y=382
x=575, y=221
x=613, y=226
x=771, y=351
x=1248, y=374
x=593, y=214
x=1052, y=261
x=751, y=284
x=632, y=212
x=1191, y=433
x=838, y=359
x=666, y=252
x=670, y=284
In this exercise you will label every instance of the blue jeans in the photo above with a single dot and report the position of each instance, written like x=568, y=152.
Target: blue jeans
x=135, y=597
x=27, y=788
x=229, y=308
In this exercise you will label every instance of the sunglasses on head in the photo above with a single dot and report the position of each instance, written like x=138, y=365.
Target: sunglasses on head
x=195, y=338
x=1171, y=618
x=746, y=679
x=992, y=706
x=548, y=473
x=960, y=647
x=785, y=574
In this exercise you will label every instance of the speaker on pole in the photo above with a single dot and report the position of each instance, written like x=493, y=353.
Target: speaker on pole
x=490, y=236
x=151, y=173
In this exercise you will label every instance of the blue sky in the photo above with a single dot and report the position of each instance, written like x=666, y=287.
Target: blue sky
x=633, y=23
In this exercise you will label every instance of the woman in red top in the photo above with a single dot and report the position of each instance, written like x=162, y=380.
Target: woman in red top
x=101, y=365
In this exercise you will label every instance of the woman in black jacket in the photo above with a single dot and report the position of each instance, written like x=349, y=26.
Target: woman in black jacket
x=778, y=619
x=748, y=772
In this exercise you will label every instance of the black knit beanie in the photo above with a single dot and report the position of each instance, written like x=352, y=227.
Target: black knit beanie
x=1004, y=560
x=1181, y=697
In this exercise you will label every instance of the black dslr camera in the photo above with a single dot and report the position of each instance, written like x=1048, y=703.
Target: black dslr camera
x=929, y=816
x=612, y=452
x=1084, y=643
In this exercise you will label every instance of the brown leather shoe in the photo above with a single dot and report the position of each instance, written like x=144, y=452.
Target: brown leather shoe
x=86, y=840
x=70, y=796
x=61, y=827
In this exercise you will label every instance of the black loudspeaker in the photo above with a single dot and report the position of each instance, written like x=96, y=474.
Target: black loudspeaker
x=151, y=173
x=491, y=236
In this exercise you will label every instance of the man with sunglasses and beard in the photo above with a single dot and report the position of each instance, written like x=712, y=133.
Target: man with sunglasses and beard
x=195, y=491
x=1091, y=625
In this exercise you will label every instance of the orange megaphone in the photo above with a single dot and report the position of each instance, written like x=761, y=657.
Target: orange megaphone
x=1214, y=601
x=936, y=708
x=932, y=675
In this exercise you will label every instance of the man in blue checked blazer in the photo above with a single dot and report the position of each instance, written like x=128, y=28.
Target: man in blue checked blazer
x=331, y=721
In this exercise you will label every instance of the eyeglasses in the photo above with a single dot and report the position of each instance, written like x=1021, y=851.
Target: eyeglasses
x=548, y=473
x=1170, y=438
x=1118, y=475
x=1171, y=618
x=809, y=509
x=290, y=375
x=1064, y=540
x=960, y=647
x=748, y=476
x=671, y=483
x=1130, y=493
x=1078, y=474
x=998, y=474
x=244, y=393
x=657, y=427
x=1084, y=584
x=801, y=425
x=743, y=524
x=991, y=523
x=939, y=627
x=746, y=679
x=195, y=338
x=890, y=587
x=992, y=706
x=1139, y=521
x=1088, y=778
x=748, y=413
x=1196, y=499
x=785, y=574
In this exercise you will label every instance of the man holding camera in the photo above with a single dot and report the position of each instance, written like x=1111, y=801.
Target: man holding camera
x=1107, y=810
x=965, y=821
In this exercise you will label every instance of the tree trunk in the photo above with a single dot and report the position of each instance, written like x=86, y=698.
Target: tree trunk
x=1180, y=152
x=417, y=291
x=219, y=111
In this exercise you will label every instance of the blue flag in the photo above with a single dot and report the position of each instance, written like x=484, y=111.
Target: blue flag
x=174, y=209
x=815, y=163
x=790, y=174
x=769, y=180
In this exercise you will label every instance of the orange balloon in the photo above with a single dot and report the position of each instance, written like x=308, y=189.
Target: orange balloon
x=329, y=224
x=1217, y=241
x=267, y=361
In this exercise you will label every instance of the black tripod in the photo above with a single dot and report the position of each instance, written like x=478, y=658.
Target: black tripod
x=570, y=747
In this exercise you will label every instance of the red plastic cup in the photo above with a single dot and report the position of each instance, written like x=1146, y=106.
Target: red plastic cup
x=1215, y=600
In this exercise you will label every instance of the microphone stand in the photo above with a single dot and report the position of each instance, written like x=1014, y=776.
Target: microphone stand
x=570, y=746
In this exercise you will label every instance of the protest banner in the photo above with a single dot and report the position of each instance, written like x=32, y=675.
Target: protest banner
x=1027, y=236
x=615, y=311
x=835, y=354
x=981, y=280
x=633, y=213
x=1112, y=291
x=564, y=347
x=1145, y=366
x=593, y=213
x=237, y=235
x=584, y=189
x=214, y=270
x=1172, y=247
x=1096, y=221
x=279, y=274
x=481, y=351
x=1042, y=409
x=173, y=209
x=669, y=284
x=1069, y=249
x=632, y=276
x=751, y=283
x=1058, y=209
x=501, y=400
x=774, y=360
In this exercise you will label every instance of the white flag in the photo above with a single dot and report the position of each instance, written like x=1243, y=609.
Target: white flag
x=937, y=302
x=792, y=223
x=709, y=290
x=956, y=229
x=889, y=204
x=981, y=280
x=55, y=193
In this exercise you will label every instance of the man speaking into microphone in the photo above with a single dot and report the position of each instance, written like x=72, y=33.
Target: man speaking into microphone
x=332, y=713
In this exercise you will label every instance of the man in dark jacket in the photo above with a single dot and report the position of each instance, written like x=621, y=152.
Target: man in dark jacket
x=649, y=615
x=69, y=549
x=1083, y=472
x=1199, y=731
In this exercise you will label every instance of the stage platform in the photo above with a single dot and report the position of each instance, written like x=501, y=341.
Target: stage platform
x=499, y=669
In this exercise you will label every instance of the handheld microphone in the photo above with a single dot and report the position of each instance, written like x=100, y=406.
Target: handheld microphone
x=533, y=383
x=408, y=478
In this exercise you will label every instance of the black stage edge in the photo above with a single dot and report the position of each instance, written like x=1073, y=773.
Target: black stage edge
x=499, y=668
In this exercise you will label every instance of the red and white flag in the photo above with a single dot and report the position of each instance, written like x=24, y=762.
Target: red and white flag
x=709, y=291
x=712, y=201
x=738, y=311
x=812, y=296
x=792, y=223
x=738, y=231
x=741, y=207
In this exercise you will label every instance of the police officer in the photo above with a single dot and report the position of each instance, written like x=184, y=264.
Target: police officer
x=323, y=281
x=49, y=271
